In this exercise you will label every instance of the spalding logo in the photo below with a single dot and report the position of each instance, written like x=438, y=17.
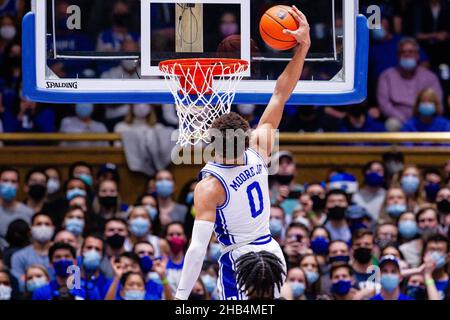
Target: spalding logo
x=282, y=14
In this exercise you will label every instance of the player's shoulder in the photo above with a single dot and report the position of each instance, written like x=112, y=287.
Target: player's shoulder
x=210, y=189
x=209, y=183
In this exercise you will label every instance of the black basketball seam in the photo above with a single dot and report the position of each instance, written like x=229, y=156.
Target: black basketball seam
x=273, y=19
x=285, y=41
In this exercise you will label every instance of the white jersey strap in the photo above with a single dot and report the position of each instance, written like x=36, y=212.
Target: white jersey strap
x=259, y=240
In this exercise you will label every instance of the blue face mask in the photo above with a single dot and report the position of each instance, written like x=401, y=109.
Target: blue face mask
x=432, y=189
x=416, y=292
x=164, y=188
x=379, y=33
x=427, y=109
x=134, y=295
x=84, y=111
x=410, y=184
x=8, y=191
x=146, y=264
x=139, y=226
x=75, y=192
x=408, y=64
x=341, y=288
x=439, y=258
x=389, y=282
x=190, y=198
x=215, y=251
x=407, y=229
x=311, y=276
x=86, y=179
x=210, y=283
x=320, y=246
x=373, y=179
x=276, y=227
x=61, y=267
x=152, y=212
x=74, y=226
x=92, y=260
x=154, y=277
x=36, y=283
x=298, y=289
x=395, y=210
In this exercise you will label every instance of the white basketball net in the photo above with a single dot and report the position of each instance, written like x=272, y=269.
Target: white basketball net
x=199, y=101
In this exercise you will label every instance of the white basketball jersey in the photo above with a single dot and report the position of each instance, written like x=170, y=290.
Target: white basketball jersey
x=245, y=214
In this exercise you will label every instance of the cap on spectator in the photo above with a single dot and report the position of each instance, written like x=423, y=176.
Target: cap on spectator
x=108, y=167
x=283, y=154
x=389, y=258
x=356, y=212
x=343, y=181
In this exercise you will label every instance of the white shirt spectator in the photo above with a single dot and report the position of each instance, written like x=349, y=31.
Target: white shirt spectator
x=76, y=125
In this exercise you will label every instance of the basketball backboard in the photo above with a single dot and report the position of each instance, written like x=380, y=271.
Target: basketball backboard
x=102, y=51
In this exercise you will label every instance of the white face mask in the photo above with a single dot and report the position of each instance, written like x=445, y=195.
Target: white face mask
x=141, y=110
x=52, y=186
x=42, y=234
x=5, y=292
x=246, y=109
x=128, y=65
x=8, y=32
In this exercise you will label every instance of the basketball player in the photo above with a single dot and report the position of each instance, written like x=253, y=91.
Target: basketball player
x=232, y=197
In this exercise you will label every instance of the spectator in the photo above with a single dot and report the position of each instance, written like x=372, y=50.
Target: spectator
x=277, y=224
x=310, y=265
x=18, y=237
x=342, y=287
x=53, y=183
x=108, y=202
x=427, y=115
x=386, y=234
x=150, y=203
x=36, y=277
x=432, y=184
x=128, y=69
x=10, y=208
x=410, y=183
x=83, y=123
x=399, y=86
x=320, y=241
x=296, y=243
x=394, y=205
x=6, y=286
x=176, y=238
x=336, y=205
x=443, y=206
x=407, y=226
x=115, y=234
x=359, y=120
x=36, y=189
x=296, y=283
x=75, y=222
x=84, y=171
x=42, y=231
x=139, y=117
x=317, y=193
x=67, y=237
x=362, y=250
x=436, y=248
x=108, y=171
x=199, y=291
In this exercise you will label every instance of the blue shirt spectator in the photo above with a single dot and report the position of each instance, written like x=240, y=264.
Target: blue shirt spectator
x=52, y=291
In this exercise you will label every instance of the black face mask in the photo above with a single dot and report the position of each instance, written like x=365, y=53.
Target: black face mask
x=336, y=213
x=37, y=192
x=195, y=296
x=318, y=203
x=115, y=241
x=340, y=259
x=362, y=255
x=284, y=179
x=443, y=206
x=108, y=202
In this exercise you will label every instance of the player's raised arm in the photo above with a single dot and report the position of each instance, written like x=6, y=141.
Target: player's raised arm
x=263, y=136
x=208, y=196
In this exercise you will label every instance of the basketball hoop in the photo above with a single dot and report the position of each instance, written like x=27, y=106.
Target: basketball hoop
x=204, y=90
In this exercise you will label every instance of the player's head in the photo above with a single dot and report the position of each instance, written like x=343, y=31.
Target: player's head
x=259, y=273
x=230, y=136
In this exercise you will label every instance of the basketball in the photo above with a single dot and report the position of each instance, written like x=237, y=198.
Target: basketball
x=271, y=27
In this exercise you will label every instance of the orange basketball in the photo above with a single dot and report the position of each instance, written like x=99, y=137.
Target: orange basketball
x=271, y=27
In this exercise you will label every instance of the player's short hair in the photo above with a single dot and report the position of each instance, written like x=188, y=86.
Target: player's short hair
x=227, y=132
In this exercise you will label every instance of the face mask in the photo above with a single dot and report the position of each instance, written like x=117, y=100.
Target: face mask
x=8, y=191
x=42, y=234
x=5, y=292
x=408, y=64
x=61, y=267
x=75, y=226
x=318, y=203
x=416, y=292
x=432, y=189
x=152, y=212
x=320, y=246
x=86, y=179
x=389, y=282
x=427, y=109
x=379, y=33
x=407, y=229
x=141, y=111
x=115, y=241
x=196, y=297
x=37, y=192
x=336, y=213
x=36, y=283
x=336, y=259
x=177, y=244
x=146, y=264
x=75, y=192
x=139, y=226
x=298, y=289
x=52, y=186
x=395, y=210
x=228, y=29
x=84, y=111
x=164, y=188
x=190, y=198
x=373, y=179
x=210, y=283
x=311, y=276
x=383, y=243
x=410, y=184
x=427, y=231
x=284, y=180
x=215, y=251
x=134, y=295
x=108, y=202
x=154, y=277
x=341, y=288
x=276, y=227
x=91, y=260
x=246, y=109
x=443, y=206
x=394, y=167
x=363, y=255
x=8, y=32
x=128, y=65
x=439, y=258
